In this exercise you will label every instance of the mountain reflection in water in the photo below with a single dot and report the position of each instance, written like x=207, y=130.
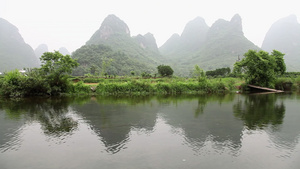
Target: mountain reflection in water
x=207, y=125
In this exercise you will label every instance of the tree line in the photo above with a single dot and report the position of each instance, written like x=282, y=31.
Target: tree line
x=257, y=67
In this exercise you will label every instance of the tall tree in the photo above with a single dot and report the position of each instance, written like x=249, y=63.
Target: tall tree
x=199, y=74
x=165, y=70
x=261, y=68
x=55, y=68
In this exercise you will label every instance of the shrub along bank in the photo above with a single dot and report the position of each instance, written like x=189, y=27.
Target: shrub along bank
x=166, y=86
x=17, y=85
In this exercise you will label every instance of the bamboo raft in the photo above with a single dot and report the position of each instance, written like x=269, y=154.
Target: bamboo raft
x=265, y=88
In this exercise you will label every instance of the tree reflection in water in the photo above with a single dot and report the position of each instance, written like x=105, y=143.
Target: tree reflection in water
x=199, y=118
x=51, y=114
x=260, y=110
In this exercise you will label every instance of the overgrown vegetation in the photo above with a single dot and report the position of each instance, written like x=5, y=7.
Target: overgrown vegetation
x=219, y=72
x=166, y=86
x=103, y=60
x=50, y=79
x=261, y=68
x=53, y=78
x=165, y=70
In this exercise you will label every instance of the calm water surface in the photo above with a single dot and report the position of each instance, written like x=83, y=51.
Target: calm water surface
x=197, y=131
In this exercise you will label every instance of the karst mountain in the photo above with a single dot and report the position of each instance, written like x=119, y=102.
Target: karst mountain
x=212, y=47
x=284, y=36
x=14, y=52
x=112, y=50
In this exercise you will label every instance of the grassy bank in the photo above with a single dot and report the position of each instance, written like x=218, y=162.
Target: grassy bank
x=156, y=86
x=16, y=85
x=288, y=83
x=134, y=85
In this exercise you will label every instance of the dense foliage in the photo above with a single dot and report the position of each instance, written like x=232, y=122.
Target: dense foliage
x=55, y=69
x=165, y=70
x=261, y=68
x=50, y=79
x=199, y=74
x=218, y=72
x=164, y=86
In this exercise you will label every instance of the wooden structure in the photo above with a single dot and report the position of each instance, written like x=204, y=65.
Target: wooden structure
x=265, y=89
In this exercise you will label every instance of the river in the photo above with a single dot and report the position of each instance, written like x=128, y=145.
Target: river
x=143, y=132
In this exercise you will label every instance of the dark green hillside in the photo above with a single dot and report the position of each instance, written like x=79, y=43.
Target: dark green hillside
x=138, y=54
x=100, y=59
x=284, y=35
x=14, y=52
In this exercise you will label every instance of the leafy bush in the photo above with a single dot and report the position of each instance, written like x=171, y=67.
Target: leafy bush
x=80, y=88
x=261, y=68
x=13, y=84
x=50, y=79
x=165, y=70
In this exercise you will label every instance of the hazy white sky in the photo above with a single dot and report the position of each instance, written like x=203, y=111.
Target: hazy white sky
x=70, y=23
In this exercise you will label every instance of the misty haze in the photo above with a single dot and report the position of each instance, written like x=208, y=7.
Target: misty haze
x=149, y=84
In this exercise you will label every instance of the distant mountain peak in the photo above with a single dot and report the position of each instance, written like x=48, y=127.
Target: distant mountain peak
x=236, y=19
x=64, y=51
x=113, y=25
x=234, y=26
x=147, y=41
x=223, y=42
x=291, y=19
x=14, y=52
x=196, y=27
x=9, y=30
x=236, y=22
x=284, y=36
x=40, y=50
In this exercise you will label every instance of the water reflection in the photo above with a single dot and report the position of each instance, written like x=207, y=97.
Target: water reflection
x=51, y=114
x=212, y=121
x=207, y=126
x=9, y=131
x=112, y=119
x=257, y=110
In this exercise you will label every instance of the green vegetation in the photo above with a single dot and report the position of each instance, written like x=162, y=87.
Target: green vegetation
x=166, y=86
x=50, y=79
x=219, y=72
x=165, y=70
x=103, y=60
x=261, y=68
x=288, y=83
x=112, y=51
x=199, y=74
x=258, y=68
x=55, y=70
x=258, y=110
